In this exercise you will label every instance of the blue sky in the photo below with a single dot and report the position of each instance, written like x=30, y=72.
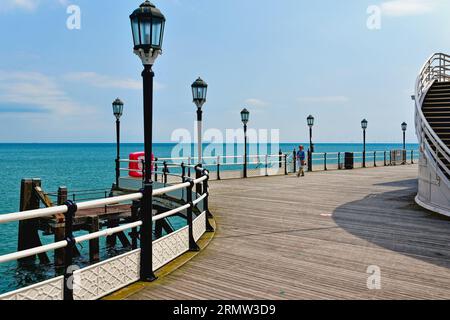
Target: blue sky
x=283, y=60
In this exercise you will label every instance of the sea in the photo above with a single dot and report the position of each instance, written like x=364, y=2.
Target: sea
x=92, y=167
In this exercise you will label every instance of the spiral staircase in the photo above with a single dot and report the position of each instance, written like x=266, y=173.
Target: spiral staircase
x=432, y=105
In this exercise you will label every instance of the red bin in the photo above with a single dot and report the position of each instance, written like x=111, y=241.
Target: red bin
x=135, y=165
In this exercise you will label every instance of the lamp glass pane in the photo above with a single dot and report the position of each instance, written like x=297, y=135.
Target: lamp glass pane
x=135, y=28
x=156, y=32
x=146, y=31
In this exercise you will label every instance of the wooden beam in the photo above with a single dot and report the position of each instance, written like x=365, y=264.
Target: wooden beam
x=28, y=236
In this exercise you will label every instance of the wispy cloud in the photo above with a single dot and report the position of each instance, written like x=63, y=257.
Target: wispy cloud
x=33, y=92
x=104, y=81
x=323, y=99
x=27, y=5
x=398, y=8
x=256, y=102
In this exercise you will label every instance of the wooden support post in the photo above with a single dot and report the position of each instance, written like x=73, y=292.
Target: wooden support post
x=111, y=240
x=123, y=239
x=134, y=234
x=59, y=229
x=28, y=229
x=94, y=244
x=158, y=229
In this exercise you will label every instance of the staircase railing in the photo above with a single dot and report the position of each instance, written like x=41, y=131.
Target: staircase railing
x=437, y=68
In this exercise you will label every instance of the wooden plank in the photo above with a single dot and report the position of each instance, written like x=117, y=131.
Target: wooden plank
x=314, y=238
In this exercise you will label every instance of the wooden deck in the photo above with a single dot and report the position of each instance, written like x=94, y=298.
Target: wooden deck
x=314, y=238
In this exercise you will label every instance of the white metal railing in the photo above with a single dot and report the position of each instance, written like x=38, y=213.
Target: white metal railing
x=64, y=209
x=231, y=164
x=437, y=68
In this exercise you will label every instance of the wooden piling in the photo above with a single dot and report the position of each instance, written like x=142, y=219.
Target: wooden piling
x=94, y=244
x=28, y=236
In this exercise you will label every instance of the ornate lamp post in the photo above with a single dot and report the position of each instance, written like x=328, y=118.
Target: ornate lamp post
x=117, y=106
x=404, y=128
x=147, y=24
x=199, y=90
x=364, y=124
x=245, y=115
x=310, y=121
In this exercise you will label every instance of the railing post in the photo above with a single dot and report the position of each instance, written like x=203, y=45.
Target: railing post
x=325, y=161
x=156, y=172
x=198, y=175
x=183, y=173
x=294, y=160
x=385, y=159
x=390, y=158
x=192, y=244
x=267, y=165
x=339, y=161
x=208, y=214
x=285, y=165
x=412, y=156
x=218, y=167
x=280, y=159
x=165, y=170
x=374, y=158
x=189, y=167
x=68, y=251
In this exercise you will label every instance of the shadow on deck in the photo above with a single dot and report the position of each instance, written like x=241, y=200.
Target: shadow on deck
x=393, y=221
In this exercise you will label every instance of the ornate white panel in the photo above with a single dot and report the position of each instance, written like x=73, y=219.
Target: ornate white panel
x=52, y=289
x=106, y=277
x=199, y=226
x=170, y=247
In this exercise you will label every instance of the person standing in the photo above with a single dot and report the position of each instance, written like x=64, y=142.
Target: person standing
x=301, y=161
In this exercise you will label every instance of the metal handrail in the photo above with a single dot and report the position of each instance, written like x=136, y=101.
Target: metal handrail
x=429, y=74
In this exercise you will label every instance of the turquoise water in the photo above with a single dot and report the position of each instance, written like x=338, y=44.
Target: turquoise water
x=82, y=167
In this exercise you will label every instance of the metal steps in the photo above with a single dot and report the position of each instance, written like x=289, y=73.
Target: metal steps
x=436, y=108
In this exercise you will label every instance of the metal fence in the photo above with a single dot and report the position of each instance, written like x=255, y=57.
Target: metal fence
x=105, y=277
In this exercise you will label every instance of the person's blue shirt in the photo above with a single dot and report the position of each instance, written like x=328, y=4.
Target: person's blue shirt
x=301, y=155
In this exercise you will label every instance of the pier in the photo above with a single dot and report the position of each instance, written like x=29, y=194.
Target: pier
x=315, y=238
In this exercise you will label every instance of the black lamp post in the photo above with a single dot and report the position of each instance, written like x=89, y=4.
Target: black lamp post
x=245, y=115
x=404, y=128
x=364, y=124
x=117, y=106
x=310, y=121
x=147, y=24
x=199, y=90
